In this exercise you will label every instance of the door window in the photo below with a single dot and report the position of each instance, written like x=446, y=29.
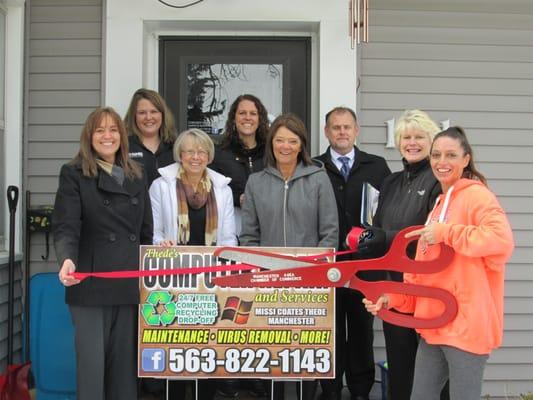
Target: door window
x=201, y=77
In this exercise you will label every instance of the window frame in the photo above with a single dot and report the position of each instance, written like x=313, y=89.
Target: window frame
x=3, y=208
x=14, y=12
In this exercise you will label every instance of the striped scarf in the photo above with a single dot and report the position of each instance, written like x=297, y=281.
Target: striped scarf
x=187, y=197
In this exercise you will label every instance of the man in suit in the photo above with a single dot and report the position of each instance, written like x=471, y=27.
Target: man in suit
x=348, y=168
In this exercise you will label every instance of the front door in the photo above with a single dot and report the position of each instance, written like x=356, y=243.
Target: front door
x=201, y=77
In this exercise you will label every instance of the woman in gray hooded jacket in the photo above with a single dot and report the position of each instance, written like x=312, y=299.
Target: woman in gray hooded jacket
x=289, y=203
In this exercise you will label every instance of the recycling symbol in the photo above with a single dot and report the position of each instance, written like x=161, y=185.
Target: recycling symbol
x=155, y=300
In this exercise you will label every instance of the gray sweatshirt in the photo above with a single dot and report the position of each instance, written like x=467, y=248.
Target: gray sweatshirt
x=300, y=212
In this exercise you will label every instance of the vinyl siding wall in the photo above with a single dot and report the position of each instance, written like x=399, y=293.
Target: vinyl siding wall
x=64, y=86
x=471, y=63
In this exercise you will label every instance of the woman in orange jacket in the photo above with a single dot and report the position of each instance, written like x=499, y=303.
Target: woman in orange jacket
x=469, y=218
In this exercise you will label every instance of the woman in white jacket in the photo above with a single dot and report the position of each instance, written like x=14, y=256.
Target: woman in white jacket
x=192, y=204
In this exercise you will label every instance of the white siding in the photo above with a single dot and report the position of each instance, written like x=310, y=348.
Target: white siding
x=470, y=62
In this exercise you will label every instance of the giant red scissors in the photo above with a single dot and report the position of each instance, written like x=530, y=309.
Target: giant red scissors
x=288, y=271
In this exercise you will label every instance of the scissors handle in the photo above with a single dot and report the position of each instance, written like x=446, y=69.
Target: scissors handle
x=396, y=258
x=372, y=290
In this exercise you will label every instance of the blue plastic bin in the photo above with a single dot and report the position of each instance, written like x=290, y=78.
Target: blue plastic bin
x=52, y=351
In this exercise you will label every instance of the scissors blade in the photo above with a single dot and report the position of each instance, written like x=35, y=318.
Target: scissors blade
x=262, y=259
x=325, y=274
x=317, y=275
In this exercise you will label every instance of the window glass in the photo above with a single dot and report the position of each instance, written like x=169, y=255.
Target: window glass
x=212, y=88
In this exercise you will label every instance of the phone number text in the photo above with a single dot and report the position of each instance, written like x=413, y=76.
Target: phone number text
x=257, y=361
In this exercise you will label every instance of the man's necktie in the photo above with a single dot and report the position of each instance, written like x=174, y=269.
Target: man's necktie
x=345, y=169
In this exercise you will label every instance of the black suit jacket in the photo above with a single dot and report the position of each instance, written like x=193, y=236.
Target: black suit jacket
x=99, y=225
x=366, y=168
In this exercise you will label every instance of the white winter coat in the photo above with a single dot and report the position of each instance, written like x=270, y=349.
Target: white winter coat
x=165, y=206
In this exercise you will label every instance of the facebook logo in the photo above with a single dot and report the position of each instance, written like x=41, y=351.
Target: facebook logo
x=153, y=360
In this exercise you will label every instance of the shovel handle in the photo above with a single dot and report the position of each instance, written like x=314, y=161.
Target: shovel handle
x=12, y=198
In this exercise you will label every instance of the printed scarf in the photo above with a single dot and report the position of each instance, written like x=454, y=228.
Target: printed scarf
x=187, y=197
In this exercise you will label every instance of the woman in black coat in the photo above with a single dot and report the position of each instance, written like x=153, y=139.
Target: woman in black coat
x=405, y=199
x=102, y=214
x=242, y=148
x=239, y=154
x=150, y=124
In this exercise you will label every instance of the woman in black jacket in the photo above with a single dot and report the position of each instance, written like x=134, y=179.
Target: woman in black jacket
x=405, y=199
x=102, y=214
x=242, y=148
x=150, y=124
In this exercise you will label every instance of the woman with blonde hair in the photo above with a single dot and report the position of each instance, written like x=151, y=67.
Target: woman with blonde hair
x=192, y=204
x=406, y=198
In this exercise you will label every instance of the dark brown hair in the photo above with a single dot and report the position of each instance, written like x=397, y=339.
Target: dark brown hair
x=296, y=126
x=230, y=131
x=458, y=133
x=87, y=156
x=167, y=131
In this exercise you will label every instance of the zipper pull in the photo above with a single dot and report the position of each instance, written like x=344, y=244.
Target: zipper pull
x=250, y=163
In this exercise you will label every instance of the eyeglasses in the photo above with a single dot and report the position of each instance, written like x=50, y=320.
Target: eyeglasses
x=192, y=153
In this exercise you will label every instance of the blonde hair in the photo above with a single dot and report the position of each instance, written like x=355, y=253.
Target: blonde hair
x=199, y=137
x=415, y=119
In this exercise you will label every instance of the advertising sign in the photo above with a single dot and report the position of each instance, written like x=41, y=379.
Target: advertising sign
x=189, y=328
